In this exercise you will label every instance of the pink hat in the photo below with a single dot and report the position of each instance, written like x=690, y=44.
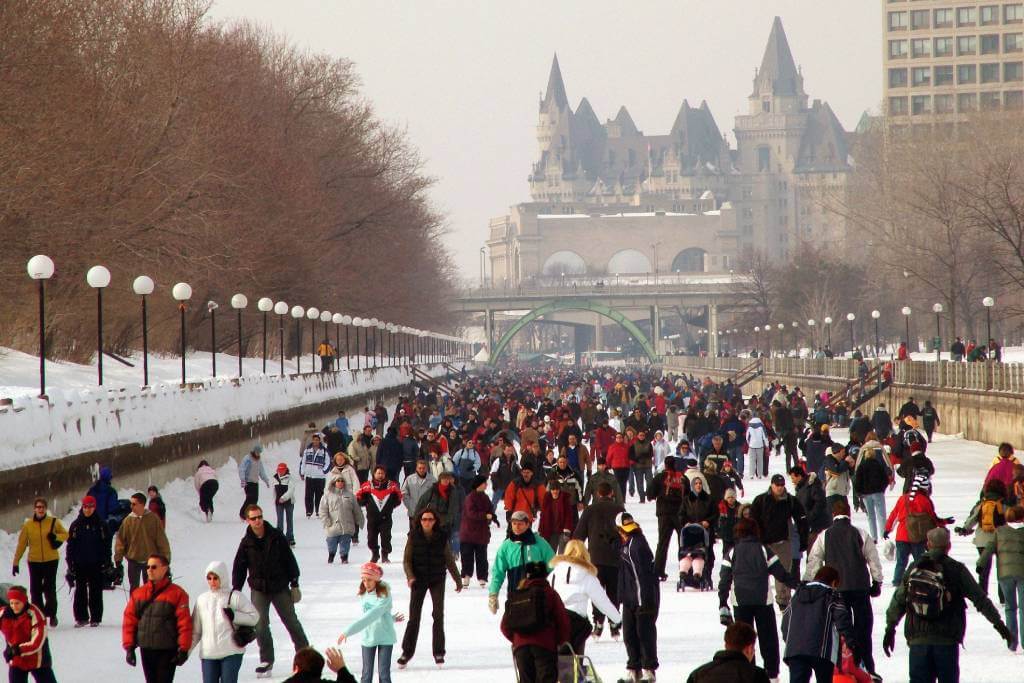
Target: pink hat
x=371, y=570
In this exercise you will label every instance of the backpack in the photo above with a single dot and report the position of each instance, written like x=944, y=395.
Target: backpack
x=526, y=609
x=927, y=594
x=466, y=468
x=991, y=515
x=918, y=525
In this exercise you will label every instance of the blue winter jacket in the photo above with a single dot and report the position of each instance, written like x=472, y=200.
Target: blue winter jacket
x=104, y=493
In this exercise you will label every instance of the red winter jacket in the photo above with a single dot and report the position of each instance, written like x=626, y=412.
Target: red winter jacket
x=617, y=456
x=28, y=631
x=603, y=438
x=162, y=623
x=907, y=506
x=556, y=515
x=554, y=633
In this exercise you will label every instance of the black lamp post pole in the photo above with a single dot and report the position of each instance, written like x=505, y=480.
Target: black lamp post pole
x=99, y=333
x=42, y=337
x=281, y=329
x=239, y=343
x=181, y=310
x=213, y=339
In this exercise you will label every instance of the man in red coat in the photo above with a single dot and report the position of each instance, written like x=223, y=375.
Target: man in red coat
x=535, y=653
x=557, y=516
x=157, y=620
x=618, y=459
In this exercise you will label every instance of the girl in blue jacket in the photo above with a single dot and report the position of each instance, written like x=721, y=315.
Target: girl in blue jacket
x=377, y=624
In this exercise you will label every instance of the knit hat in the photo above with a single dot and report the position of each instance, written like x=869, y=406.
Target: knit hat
x=371, y=570
x=478, y=480
x=778, y=479
x=624, y=521
x=729, y=493
x=17, y=593
x=921, y=482
x=257, y=449
x=88, y=500
x=282, y=468
x=519, y=516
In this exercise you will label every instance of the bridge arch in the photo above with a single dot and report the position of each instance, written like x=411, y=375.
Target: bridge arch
x=574, y=305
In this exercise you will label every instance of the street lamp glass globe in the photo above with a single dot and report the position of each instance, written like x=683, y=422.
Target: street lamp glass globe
x=325, y=316
x=851, y=317
x=988, y=302
x=313, y=313
x=239, y=301
x=381, y=326
x=265, y=304
x=757, y=329
x=828, y=320
x=905, y=310
x=367, y=322
x=781, y=326
x=795, y=324
x=337, y=318
x=298, y=311
x=876, y=315
x=182, y=291
x=374, y=321
x=346, y=320
x=212, y=305
x=810, y=323
x=357, y=321
x=280, y=308
x=98, y=277
x=143, y=285
x=937, y=308
x=40, y=267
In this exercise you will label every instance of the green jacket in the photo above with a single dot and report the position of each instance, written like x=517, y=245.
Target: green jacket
x=1008, y=547
x=513, y=555
x=948, y=630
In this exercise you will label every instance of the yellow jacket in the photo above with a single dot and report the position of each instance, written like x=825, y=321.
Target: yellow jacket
x=325, y=350
x=33, y=536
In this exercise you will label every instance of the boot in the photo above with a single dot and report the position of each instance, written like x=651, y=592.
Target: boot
x=647, y=676
x=330, y=558
x=465, y=582
x=598, y=629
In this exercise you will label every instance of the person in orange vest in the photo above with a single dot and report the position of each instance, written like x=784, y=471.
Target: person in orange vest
x=524, y=494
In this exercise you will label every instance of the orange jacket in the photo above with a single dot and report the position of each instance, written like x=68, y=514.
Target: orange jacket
x=525, y=497
x=28, y=631
x=148, y=620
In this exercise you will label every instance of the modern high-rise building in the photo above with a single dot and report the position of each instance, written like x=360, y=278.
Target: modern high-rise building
x=950, y=57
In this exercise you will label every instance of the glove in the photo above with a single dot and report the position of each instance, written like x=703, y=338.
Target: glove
x=949, y=520
x=725, y=616
x=10, y=652
x=229, y=613
x=889, y=641
x=876, y=589
x=52, y=538
x=296, y=593
x=181, y=657
x=492, y=603
x=129, y=656
x=885, y=536
x=960, y=531
x=14, y=569
x=70, y=578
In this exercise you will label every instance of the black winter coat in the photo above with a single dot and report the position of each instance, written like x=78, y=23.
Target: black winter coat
x=772, y=516
x=811, y=495
x=268, y=562
x=911, y=466
x=871, y=476
x=729, y=667
x=389, y=453
x=667, y=499
x=699, y=508
x=815, y=613
x=597, y=527
x=639, y=587
x=746, y=568
x=88, y=543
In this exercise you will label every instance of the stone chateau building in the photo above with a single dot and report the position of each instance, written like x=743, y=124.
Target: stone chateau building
x=605, y=199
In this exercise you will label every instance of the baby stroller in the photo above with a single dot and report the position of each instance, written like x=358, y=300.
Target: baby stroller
x=694, y=542
x=574, y=668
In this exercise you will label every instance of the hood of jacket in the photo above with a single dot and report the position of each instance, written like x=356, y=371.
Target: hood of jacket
x=220, y=569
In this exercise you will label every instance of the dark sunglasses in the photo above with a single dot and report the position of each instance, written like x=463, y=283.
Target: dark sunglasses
x=428, y=519
x=253, y=519
x=153, y=567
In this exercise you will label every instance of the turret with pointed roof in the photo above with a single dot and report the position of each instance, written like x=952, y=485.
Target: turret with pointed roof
x=778, y=84
x=555, y=94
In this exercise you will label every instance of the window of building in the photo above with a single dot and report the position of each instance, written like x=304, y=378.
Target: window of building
x=897, y=21
x=1013, y=14
x=766, y=105
x=919, y=19
x=967, y=73
x=897, y=78
x=990, y=44
x=1013, y=71
x=764, y=159
x=921, y=104
x=943, y=104
x=943, y=47
x=897, y=105
x=943, y=18
x=967, y=45
x=989, y=73
x=944, y=75
x=967, y=101
x=921, y=47
x=989, y=15
x=921, y=76
x=897, y=49
x=965, y=16
x=990, y=101
x=1013, y=99
x=1013, y=42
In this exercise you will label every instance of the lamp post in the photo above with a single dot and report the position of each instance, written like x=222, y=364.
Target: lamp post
x=380, y=345
x=337, y=318
x=796, y=339
x=143, y=286
x=782, y=339
x=212, y=307
x=238, y=302
x=298, y=312
x=371, y=351
x=40, y=269
x=281, y=309
x=810, y=333
x=265, y=305
x=757, y=329
x=938, y=331
x=875, y=315
x=357, y=323
x=392, y=328
x=988, y=302
x=851, y=317
x=325, y=318
x=828, y=331
x=313, y=313
x=906, y=319
x=346, y=320
x=98, y=278
x=182, y=292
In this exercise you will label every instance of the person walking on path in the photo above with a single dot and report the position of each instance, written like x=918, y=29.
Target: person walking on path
x=871, y=478
x=284, y=502
x=557, y=516
x=574, y=578
x=380, y=496
x=447, y=499
x=157, y=620
x=466, y=464
x=342, y=518
x=216, y=614
x=640, y=593
x=415, y=486
x=521, y=547
x=205, y=480
x=427, y=556
x=668, y=490
x=251, y=471
x=362, y=453
x=1007, y=545
x=597, y=527
x=88, y=557
x=535, y=649
x=313, y=467
x=377, y=624
x=140, y=535
x=757, y=441
x=41, y=535
x=811, y=627
x=265, y=559
x=28, y=648
x=104, y=493
x=475, y=532
x=773, y=511
x=602, y=475
x=913, y=515
x=734, y=664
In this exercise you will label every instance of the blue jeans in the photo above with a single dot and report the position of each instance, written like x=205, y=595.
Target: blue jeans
x=496, y=497
x=336, y=543
x=223, y=670
x=736, y=455
x=1013, y=593
x=874, y=504
x=285, y=513
x=383, y=655
x=931, y=663
x=453, y=540
x=903, y=552
x=644, y=476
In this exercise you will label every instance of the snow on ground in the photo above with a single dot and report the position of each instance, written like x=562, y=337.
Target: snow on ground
x=688, y=627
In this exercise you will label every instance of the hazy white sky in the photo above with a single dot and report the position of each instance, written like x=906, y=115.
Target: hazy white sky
x=464, y=76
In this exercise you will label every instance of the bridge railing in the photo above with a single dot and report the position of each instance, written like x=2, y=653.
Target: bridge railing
x=981, y=376
x=623, y=284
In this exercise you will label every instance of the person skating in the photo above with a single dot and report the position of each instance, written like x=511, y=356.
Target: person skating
x=308, y=666
x=42, y=534
x=341, y=517
x=932, y=596
x=871, y=478
x=156, y=504
x=640, y=593
x=810, y=493
x=597, y=527
x=284, y=501
x=602, y=475
x=557, y=516
x=521, y=547
x=574, y=578
x=140, y=535
x=216, y=614
x=88, y=557
x=314, y=464
x=535, y=642
x=427, y=556
x=265, y=560
x=250, y=472
x=157, y=620
x=362, y=453
x=811, y=627
x=377, y=624
x=28, y=648
x=205, y=480
x=1007, y=545
x=913, y=515
x=416, y=486
x=380, y=496
x=447, y=499
x=105, y=494
x=668, y=488
x=735, y=663
x=475, y=532
x=773, y=511
x=524, y=494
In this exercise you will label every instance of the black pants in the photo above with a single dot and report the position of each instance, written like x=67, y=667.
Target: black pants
x=931, y=663
x=859, y=604
x=158, y=665
x=136, y=572
x=801, y=667
x=88, y=601
x=535, y=664
x=362, y=475
x=668, y=528
x=252, y=497
x=42, y=675
x=762, y=618
x=608, y=577
x=789, y=444
x=640, y=634
x=43, y=586
x=622, y=476
x=314, y=492
x=417, y=595
x=206, y=493
x=474, y=554
x=378, y=537
x=579, y=630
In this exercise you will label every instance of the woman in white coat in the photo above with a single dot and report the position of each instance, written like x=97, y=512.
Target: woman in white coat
x=574, y=577
x=757, y=442
x=212, y=628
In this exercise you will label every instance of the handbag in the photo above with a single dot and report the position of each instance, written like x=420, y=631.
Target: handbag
x=241, y=635
x=52, y=537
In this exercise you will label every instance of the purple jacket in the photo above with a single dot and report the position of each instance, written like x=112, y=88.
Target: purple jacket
x=475, y=527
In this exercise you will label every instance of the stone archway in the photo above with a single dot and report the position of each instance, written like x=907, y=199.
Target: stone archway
x=689, y=261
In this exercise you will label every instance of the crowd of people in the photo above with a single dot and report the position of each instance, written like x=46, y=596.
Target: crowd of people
x=556, y=464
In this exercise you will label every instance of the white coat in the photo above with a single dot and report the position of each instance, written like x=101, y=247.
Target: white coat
x=578, y=588
x=211, y=629
x=757, y=436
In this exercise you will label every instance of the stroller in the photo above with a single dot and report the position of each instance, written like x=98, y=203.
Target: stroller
x=574, y=668
x=694, y=546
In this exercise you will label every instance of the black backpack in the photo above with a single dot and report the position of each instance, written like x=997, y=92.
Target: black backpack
x=927, y=593
x=526, y=609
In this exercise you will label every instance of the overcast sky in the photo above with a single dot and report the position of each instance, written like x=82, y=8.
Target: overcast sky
x=464, y=76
